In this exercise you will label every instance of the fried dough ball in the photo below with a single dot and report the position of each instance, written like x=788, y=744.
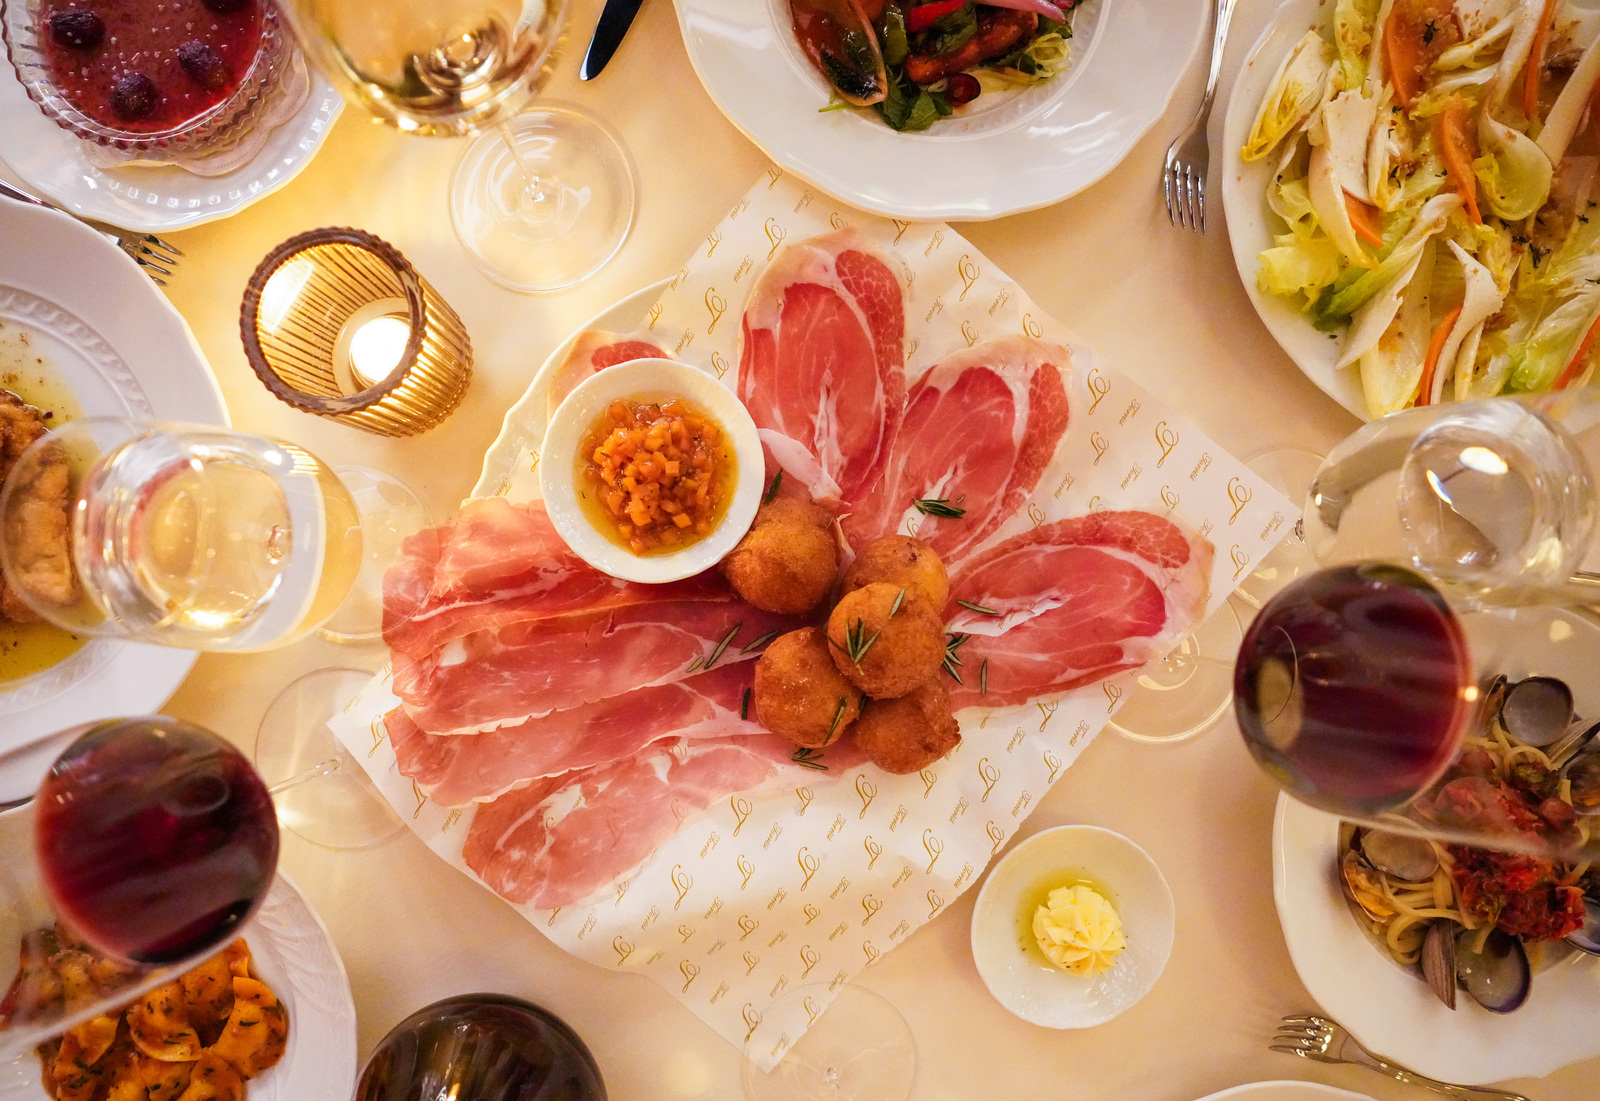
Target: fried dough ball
x=799, y=694
x=788, y=560
x=900, y=560
x=886, y=639
x=908, y=734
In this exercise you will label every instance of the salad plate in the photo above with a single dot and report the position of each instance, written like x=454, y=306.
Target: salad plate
x=1285, y=1091
x=1006, y=153
x=1390, y=1010
x=114, y=342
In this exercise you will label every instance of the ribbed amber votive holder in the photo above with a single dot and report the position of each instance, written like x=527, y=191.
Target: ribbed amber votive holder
x=336, y=322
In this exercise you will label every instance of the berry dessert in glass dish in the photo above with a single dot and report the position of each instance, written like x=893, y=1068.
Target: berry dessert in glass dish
x=159, y=77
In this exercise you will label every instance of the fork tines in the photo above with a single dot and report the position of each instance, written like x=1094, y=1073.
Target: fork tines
x=153, y=254
x=1186, y=196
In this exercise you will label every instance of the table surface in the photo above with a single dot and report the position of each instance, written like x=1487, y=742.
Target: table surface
x=1164, y=305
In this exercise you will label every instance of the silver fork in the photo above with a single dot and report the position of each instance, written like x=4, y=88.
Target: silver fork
x=1326, y=1041
x=1189, y=157
x=155, y=256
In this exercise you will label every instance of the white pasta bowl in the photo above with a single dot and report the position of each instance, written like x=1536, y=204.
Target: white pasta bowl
x=562, y=485
x=1048, y=996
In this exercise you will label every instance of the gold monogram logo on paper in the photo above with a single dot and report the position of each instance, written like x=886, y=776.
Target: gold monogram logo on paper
x=1100, y=444
x=1099, y=386
x=933, y=846
x=1238, y=496
x=935, y=901
x=899, y=229
x=741, y=813
x=654, y=314
x=379, y=733
x=752, y=1020
x=719, y=364
x=871, y=951
x=969, y=275
x=1168, y=497
x=623, y=949
x=682, y=880
x=751, y=960
x=678, y=278
x=805, y=795
x=533, y=460
x=912, y=343
x=690, y=972
x=774, y=174
x=871, y=904
x=1032, y=328
x=1048, y=710
x=503, y=487
x=1036, y=514
x=1241, y=560
x=746, y=869
x=622, y=891
x=990, y=775
x=1166, y=439
x=970, y=332
x=422, y=800
x=836, y=220
x=1053, y=763
x=713, y=239
x=1095, y=504
x=868, y=792
x=929, y=778
x=996, y=835
x=686, y=931
x=451, y=819
x=808, y=866
x=874, y=850
x=809, y=956
x=813, y=1010
x=748, y=924
x=551, y=920
x=775, y=236
x=811, y=912
x=1113, y=696
x=716, y=306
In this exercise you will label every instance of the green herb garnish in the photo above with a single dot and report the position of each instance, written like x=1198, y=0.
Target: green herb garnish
x=723, y=645
x=953, y=643
x=744, y=704
x=758, y=642
x=772, y=490
x=856, y=643
x=940, y=506
x=894, y=610
x=806, y=757
x=979, y=608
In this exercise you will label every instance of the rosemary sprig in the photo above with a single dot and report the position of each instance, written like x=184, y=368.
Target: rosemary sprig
x=952, y=644
x=896, y=608
x=856, y=643
x=806, y=757
x=744, y=704
x=983, y=678
x=772, y=490
x=758, y=642
x=979, y=608
x=838, y=716
x=723, y=645
x=693, y=665
x=941, y=506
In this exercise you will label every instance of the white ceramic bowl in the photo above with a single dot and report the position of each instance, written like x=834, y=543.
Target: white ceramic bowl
x=1134, y=886
x=647, y=380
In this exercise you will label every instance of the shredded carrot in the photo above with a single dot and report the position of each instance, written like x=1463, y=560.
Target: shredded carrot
x=1431, y=364
x=1534, y=68
x=1364, y=220
x=1459, y=148
x=1401, y=53
x=1574, y=368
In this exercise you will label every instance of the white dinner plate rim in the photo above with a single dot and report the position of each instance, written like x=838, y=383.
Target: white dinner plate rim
x=51, y=161
x=1245, y=206
x=58, y=259
x=1285, y=1089
x=1044, y=153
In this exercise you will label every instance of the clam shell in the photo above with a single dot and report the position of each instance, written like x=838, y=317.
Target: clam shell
x=1401, y=855
x=1587, y=939
x=1583, y=773
x=1498, y=978
x=1537, y=710
x=1439, y=961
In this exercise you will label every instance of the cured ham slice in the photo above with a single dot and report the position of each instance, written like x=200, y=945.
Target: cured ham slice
x=561, y=840
x=454, y=771
x=979, y=428
x=1073, y=602
x=593, y=351
x=503, y=677
x=497, y=564
x=822, y=363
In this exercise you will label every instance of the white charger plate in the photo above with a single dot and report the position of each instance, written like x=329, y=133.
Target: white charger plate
x=1005, y=154
x=295, y=956
x=153, y=198
x=1393, y=1012
x=1285, y=1091
x=1244, y=199
x=122, y=350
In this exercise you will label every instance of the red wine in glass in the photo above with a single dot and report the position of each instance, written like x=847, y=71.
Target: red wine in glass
x=1354, y=687
x=156, y=839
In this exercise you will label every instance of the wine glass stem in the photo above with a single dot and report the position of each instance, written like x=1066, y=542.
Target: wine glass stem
x=332, y=764
x=540, y=201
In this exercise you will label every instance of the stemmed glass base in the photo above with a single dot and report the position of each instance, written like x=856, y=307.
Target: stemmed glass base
x=1187, y=691
x=1289, y=470
x=859, y=1049
x=544, y=200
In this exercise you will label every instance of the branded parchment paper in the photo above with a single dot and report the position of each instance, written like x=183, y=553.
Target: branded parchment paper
x=761, y=896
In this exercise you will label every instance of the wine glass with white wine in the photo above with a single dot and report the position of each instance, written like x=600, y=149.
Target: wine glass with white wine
x=542, y=199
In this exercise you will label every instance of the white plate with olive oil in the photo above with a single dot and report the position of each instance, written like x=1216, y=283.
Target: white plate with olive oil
x=84, y=332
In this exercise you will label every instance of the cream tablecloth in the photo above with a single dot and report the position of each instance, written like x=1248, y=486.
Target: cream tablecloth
x=1165, y=306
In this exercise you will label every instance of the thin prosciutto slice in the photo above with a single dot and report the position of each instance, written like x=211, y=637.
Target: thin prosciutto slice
x=979, y=428
x=497, y=564
x=1073, y=602
x=503, y=677
x=561, y=840
x=593, y=351
x=454, y=771
x=822, y=363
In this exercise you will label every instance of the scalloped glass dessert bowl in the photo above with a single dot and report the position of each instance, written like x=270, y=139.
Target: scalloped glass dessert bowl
x=224, y=106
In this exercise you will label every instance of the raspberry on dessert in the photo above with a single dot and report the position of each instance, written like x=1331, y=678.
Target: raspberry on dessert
x=134, y=96
x=77, y=30
x=203, y=63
